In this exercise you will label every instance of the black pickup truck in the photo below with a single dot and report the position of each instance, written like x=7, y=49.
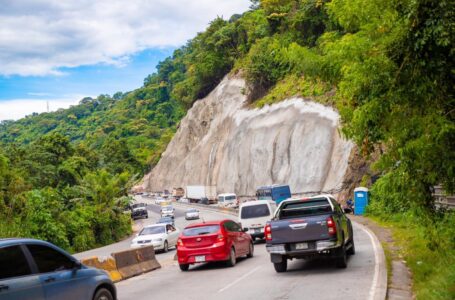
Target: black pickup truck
x=309, y=227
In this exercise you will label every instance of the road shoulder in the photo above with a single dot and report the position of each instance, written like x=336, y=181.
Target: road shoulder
x=398, y=282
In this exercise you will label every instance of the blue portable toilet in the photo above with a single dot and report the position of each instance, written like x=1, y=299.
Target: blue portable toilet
x=360, y=200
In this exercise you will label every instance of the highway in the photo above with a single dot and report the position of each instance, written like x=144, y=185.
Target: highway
x=252, y=278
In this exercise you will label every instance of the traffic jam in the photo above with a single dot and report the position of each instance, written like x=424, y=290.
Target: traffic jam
x=292, y=228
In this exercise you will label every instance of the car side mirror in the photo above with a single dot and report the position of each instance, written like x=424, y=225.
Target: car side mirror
x=77, y=265
x=245, y=229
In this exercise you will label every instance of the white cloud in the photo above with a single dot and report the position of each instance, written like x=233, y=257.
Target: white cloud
x=37, y=37
x=18, y=108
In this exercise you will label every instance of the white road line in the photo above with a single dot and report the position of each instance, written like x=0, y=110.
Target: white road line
x=239, y=279
x=376, y=262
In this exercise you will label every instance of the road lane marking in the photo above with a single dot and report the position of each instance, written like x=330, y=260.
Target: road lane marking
x=376, y=262
x=239, y=279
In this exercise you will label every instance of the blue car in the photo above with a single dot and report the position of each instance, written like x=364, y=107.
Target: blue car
x=37, y=270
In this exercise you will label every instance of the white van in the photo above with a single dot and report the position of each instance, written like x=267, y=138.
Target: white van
x=254, y=214
x=227, y=200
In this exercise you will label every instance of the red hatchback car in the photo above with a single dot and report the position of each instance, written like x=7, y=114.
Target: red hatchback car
x=213, y=241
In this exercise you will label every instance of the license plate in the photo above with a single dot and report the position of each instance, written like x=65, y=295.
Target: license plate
x=300, y=246
x=200, y=258
x=257, y=230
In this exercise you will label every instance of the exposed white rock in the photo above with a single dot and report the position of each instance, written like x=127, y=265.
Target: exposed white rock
x=223, y=143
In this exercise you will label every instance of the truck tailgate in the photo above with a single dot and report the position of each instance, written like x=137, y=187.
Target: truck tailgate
x=309, y=228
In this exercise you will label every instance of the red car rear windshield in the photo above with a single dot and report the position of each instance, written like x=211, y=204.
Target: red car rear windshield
x=201, y=230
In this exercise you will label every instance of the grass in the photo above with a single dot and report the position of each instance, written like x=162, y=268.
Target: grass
x=428, y=247
x=299, y=86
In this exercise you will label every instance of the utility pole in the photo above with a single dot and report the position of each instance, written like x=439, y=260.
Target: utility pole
x=47, y=103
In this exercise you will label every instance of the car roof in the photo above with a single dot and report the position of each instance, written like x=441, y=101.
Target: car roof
x=218, y=222
x=256, y=202
x=226, y=194
x=155, y=225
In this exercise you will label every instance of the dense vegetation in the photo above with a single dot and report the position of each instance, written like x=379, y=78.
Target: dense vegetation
x=387, y=65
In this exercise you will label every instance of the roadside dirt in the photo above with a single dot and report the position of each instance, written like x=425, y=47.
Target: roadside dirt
x=399, y=279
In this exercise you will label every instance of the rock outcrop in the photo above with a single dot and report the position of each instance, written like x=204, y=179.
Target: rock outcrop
x=221, y=142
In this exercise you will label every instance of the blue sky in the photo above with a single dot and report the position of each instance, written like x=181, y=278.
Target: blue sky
x=61, y=51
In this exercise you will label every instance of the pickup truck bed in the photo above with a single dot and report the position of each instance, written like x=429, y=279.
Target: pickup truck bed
x=309, y=227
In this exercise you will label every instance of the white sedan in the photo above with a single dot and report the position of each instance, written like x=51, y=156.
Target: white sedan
x=161, y=236
x=192, y=214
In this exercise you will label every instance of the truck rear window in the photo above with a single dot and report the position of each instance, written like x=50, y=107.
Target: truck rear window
x=305, y=208
x=254, y=211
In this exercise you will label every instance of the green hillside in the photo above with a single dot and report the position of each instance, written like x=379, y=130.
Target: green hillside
x=387, y=66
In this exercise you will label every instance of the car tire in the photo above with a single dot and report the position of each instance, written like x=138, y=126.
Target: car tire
x=103, y=294
x=184, y=267
x=232, y=259
x=165, y=247
x=351, y=250
x=342, y=260
x=282, y=266
x=251, y=251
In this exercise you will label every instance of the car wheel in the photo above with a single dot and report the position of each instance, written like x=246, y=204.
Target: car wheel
x=165, y=247
x=342, y=260
x=251, y=251
x=281, y=266
x=232, y=260
x=103, y=294
x=184, y=267
x=351, y=250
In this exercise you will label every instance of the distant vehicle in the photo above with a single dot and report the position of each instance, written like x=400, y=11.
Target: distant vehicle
x=309, y=227
x=253, y=215
x=166, y=220
x=227, y=200
x=178, y=193
x=274, y=192
x=213, y=241
x=167, y=211
x=161, y=236
x=160, y=200
x=34, y=269
x=192, y=214
x=194, y=193
x=139, y=210
x=184, y=200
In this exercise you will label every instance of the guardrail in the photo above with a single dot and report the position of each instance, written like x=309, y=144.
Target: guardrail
x=231, y=211
x=443, y=200
x=125, y=264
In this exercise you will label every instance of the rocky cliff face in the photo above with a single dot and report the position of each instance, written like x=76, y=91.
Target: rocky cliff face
x=223, y=143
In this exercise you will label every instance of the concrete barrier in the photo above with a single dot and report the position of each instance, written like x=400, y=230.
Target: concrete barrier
x=136, y=261
x=108, y=264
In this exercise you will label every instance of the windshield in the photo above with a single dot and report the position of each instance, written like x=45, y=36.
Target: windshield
x=201, y=230
x=305, y=208
x=255, y=211
x=191, y=210
x=167, y=208
x=138, y=205
x=165, y=220
x=153, y=230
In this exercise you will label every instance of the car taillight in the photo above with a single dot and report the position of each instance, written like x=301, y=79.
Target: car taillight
x=268, y=232
x=220, y=238
x=179, y=243
x=331, y=226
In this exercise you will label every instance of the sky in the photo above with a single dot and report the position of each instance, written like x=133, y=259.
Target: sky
x=56, y=52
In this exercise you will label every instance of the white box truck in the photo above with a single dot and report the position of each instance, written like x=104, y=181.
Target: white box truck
x=194, y=193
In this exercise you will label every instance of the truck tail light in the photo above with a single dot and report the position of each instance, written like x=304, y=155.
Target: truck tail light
x=179, y=243
x=268, y=232
x=331, y=226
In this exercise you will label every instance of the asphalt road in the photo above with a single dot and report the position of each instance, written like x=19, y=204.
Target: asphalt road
x=154, y=215
x=255, y=278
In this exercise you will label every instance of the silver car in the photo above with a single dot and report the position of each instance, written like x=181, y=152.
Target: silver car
x=192, y=214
